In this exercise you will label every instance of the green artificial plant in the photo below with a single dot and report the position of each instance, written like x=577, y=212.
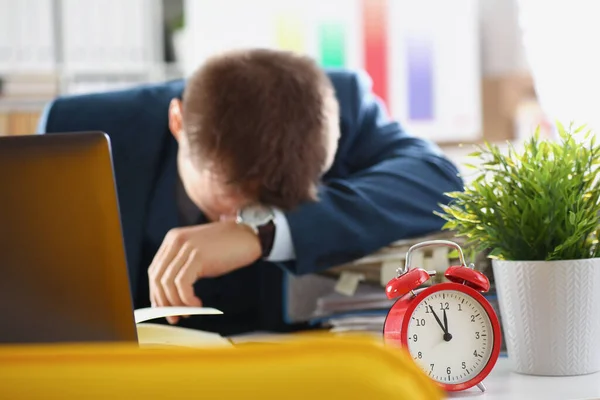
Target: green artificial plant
x=178, y=23
x=539, y=203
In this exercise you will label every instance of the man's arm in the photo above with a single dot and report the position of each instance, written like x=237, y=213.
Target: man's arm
x=397, y=182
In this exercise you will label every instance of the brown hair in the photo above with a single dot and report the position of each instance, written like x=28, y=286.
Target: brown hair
x=263, y=117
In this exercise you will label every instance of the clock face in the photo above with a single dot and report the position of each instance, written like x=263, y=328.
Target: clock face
x=450, y=336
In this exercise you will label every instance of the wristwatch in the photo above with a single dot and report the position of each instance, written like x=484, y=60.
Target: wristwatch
x=262, y=221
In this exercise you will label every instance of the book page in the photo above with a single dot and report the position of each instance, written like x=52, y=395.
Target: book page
x=146, y=314
x=160, y=335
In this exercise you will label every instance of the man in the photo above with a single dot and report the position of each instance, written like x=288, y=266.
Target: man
x=259, y=165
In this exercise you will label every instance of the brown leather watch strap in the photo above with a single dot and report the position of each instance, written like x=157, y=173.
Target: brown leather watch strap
x=266, y=235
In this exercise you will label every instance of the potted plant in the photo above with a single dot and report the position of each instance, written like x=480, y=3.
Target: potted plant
x=536, y=210
x=179, y=37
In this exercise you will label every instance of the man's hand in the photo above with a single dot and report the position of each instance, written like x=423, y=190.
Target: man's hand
x=191, y=253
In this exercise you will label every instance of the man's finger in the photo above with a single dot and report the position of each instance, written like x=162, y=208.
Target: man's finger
x=185, y=279
x=157, y=296
x=169, y=248
x=167, y=281
x=167, y=251
x=157, y=256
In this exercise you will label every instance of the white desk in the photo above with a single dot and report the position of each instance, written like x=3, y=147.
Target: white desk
x=503, y=384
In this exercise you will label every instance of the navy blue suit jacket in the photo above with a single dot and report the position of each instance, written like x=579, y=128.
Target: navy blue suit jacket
x=383, y=186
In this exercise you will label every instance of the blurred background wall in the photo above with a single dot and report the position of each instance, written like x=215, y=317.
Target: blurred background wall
x=453, y=71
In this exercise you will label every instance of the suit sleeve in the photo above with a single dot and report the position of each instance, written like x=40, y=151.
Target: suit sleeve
x=396, y=183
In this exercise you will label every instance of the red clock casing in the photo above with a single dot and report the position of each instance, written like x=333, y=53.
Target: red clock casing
x=462, y=279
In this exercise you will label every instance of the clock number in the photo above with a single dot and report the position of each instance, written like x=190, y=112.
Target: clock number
x=459, y=307
x=415, y=337
x=427, y=310
x=448, y=371
x=431, y=370
x=472, y=318
x=476, y=335
x=421, y=322
x=419, y=355
x=464, y=365
x=476, y=354
x=444, y=306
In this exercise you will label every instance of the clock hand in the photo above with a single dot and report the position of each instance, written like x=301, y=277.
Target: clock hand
x=447, y=335
x=445, y=322
x=438, y=320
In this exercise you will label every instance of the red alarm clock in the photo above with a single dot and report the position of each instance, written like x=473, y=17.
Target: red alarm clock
x=449, y=329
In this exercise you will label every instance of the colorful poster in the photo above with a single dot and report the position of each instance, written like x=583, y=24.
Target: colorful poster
x=419, y=61
x=422, y=56
x=376, y=45
x=290, y=33
x=332, y=44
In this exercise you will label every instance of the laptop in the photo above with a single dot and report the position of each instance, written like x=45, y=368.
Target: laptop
x=63, y=271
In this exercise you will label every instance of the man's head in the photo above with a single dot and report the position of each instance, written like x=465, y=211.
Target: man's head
x=255, y=126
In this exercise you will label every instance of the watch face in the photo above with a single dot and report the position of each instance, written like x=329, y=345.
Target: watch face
x=256, y=215
x=450, y=335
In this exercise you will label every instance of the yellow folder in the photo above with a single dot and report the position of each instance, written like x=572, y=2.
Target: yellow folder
x=307, y=367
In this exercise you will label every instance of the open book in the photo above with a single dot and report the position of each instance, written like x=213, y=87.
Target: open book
x=152, y=334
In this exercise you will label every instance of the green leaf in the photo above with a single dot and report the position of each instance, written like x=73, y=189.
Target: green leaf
x=469, y=166
x=453, y=253
x=495, y=253
x=541, y=201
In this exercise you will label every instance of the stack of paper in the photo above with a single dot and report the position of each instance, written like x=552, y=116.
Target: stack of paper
x=364, y=311
x=367, y=298
x=361, y=323
x=382, y=265
x=362, y=304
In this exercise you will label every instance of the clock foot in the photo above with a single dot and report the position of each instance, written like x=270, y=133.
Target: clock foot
x=481, y=387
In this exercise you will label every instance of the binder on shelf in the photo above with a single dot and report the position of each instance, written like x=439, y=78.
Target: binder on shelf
x=127, y=44
x=27, y=36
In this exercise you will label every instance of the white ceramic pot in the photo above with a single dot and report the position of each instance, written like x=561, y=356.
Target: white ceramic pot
x=550, y=312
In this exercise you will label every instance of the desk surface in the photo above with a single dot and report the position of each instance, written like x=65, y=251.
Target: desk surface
x=503, y=384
